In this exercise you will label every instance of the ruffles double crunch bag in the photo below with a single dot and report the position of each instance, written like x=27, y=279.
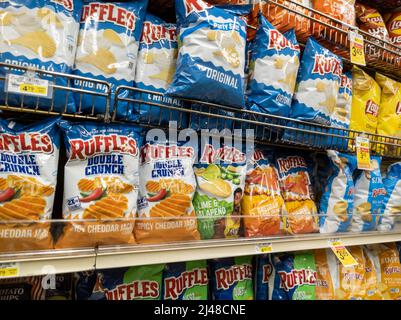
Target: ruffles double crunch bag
x=28, y=176
x=274, y=66
x=43, y=35
x=220, y=174
x=262, y=204
x=336, y=203
x=211, y=59
x=392, y=198
x=296, y=188
x=107, y=50
x=368, y=198
x=167, y=186
x=318, y=81
x=101, y=182
x=155, y=69
x=263, y=272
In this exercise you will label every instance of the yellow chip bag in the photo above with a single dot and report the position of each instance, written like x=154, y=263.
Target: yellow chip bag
x=326, y=265
x=389, y=120
x=365, y=102
x=372, y=275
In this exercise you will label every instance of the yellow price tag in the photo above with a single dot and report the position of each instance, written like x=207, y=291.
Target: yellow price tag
x=357, y=48
x=30, y=88
x=9, y=270
x=342, y=254
x=264, y=248
x=362, y=153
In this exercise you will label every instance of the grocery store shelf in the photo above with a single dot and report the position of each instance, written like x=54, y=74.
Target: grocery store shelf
x=52, y=261
x=61, y=261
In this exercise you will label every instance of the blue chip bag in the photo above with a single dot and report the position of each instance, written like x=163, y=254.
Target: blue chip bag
x=132, y=283
x=368, y=198
x=264, y=269
x=232, y=278
x=294, y=276
x=43, y=35
x=336, y=203
x=211, y=59
x=392, y=199
x=85, y=283
x=155, y=69
x=185, y=281
x=318, y=81
x=107, y=50
x=274, y=68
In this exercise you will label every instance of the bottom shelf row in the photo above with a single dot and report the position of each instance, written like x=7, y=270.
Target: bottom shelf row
x=299, y=275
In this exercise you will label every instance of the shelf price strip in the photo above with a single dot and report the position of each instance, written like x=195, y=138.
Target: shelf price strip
x=9, y=270
x=342, y=254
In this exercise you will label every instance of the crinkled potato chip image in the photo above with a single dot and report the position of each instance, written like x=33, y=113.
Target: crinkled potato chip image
x=50, y=17
x=7, y=18
x=212, y=35
x=149, y=58
x=172, y=185
x=166, y=74
x=3, y=184
x=111, y=207
x=86, y=185
x=113, y=37
x=321, y=86
x=102, y=59
x=230, y=54
x=173, y=206
x=217, y=187
x=340, y=209
x=29, y=186
x=38, y=41
x=235, y=36
x=366, y=216
x=23, y=208
x=279, y=63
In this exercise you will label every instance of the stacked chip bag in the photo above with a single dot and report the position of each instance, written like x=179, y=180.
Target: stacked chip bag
x=392, y=198
x=185, y=281
x=155, y=69
x=389, y=118
x=102, y=184
x=211, y=59
x=22, y=288
x=372, y=275
x=365, y=102
x=318, y=81
x=296, y=188
x=350, y=281
x=107, y=50
x=132, y=283
x=85, y=283
x=167, y=186
x=264, y=269
x=294, y=276
x=43, y=35
x=368, y=198
x=326, y=266
x=232, y=278
x=340, y=118
x=336, y=203
x=28, y=176
x=262, y=204
x=394, y=28
x=273, y=71
x=386, y=260
x=220, y=174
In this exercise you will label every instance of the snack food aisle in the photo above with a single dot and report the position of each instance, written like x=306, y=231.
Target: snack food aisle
x=95, y=188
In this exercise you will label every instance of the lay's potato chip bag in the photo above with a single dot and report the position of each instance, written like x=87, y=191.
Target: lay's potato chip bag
x=389, y=119
x=262, y=203
x=365, y=102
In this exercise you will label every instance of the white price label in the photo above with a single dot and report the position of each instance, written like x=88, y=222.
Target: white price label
x=9, y=270
x=28, y=85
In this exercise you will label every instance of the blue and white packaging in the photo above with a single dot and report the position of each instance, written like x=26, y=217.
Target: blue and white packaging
x=392, y=199
x=368, y=198
x=102, y=170
x=274, y=68
x=336, y=203
x=318, y=81
x=211, y=59
x=155, y=69
x=43, y=35
x=264, y=270
x=107, y=50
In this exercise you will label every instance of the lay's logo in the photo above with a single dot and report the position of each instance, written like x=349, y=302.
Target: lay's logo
x=295, y=278
x=372, y=108
x=156, y=32
x=279, y=42
x=226, y=154
x=195, y=6
x=109, y=12
x=175, y=286
x=67, y=4
x=324, y=65
x=225, y=278
x=398, y=108
x=395, y=25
